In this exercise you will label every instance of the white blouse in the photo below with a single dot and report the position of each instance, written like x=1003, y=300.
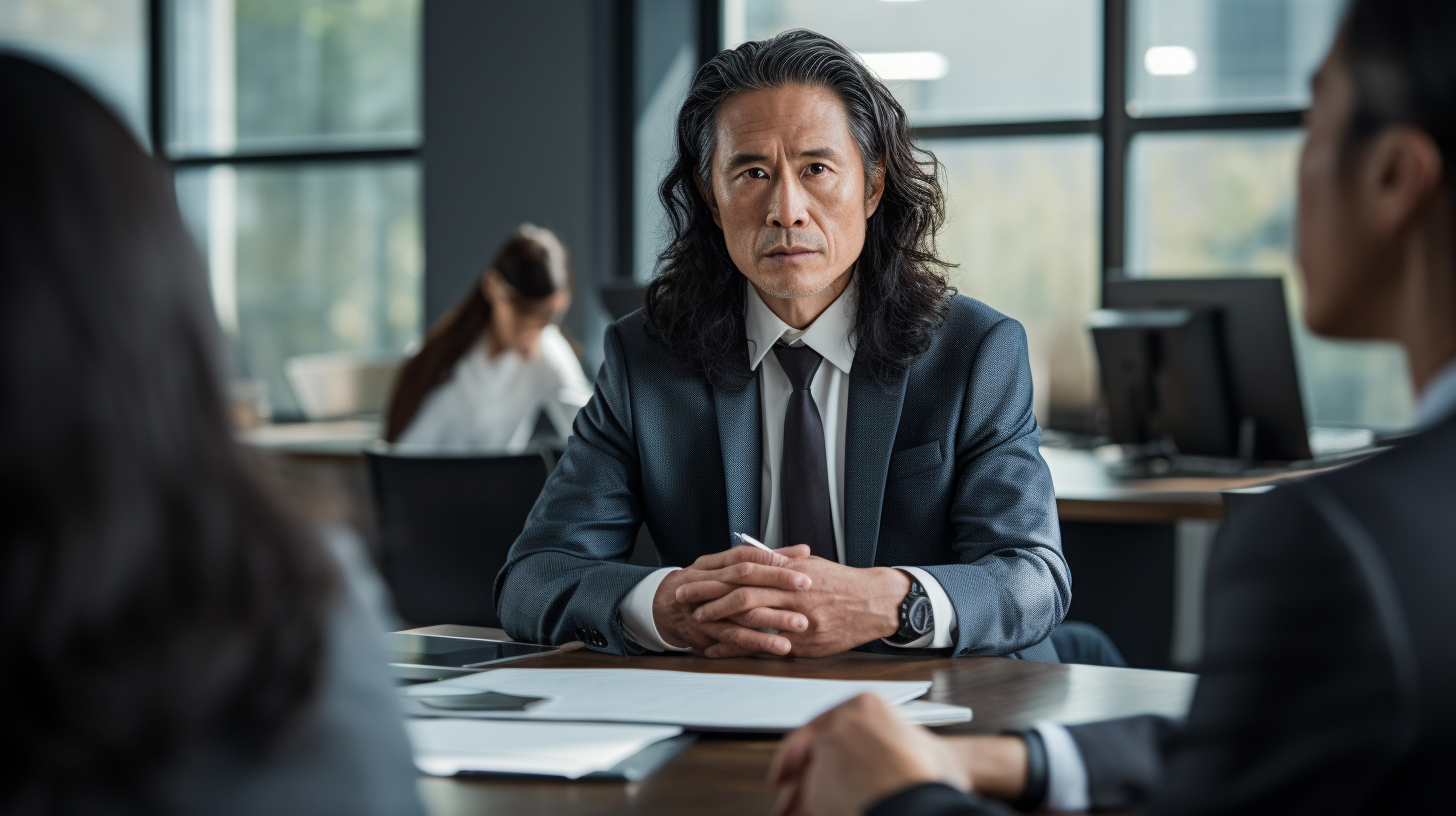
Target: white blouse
x=490, y=405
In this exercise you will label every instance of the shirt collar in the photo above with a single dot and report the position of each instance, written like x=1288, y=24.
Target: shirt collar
x=1438, y=400
x=831, y=333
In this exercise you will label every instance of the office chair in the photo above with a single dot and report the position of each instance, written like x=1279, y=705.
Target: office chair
x=446, y=524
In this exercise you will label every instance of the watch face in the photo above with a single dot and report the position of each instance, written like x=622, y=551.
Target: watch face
x=920, y=615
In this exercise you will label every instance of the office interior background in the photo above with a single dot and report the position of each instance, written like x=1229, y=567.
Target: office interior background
x=348, y=166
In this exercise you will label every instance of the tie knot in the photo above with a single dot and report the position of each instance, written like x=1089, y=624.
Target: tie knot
x=799, y=363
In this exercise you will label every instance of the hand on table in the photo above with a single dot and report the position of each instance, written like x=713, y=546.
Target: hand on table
x=843, y=608
x=736, y=568
x=854, y=755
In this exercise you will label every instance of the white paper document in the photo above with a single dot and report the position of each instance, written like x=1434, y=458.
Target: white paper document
x=450, y=746
x=696, y=700
x=924, y=712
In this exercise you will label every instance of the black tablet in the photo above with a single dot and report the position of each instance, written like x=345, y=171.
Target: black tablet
x=432, y=657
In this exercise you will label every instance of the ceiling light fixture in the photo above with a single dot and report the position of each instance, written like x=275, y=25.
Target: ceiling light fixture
x=1170, y=60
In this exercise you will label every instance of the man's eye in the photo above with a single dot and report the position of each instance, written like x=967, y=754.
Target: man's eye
x=816, y=169
x=757, y=173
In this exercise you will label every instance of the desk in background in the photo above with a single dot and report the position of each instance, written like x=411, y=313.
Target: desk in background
x=723, y=775
x=1137, y=548
x=1085, y=491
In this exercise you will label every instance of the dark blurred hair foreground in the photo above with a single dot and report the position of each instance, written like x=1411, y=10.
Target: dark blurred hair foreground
x=153, y=595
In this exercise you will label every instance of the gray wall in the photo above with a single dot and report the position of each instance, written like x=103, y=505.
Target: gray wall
x=518, y=107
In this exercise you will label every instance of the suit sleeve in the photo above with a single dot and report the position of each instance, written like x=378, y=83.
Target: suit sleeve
x=1300, y=704
x=566, y=575
x=1011, y=585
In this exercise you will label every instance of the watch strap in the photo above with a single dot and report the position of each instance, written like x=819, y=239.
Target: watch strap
x=1033, y=795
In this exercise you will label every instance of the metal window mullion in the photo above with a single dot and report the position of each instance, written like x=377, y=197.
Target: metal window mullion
x=156, y=76
x=1117, y=130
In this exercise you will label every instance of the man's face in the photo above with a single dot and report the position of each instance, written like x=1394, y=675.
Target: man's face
x=788, y=189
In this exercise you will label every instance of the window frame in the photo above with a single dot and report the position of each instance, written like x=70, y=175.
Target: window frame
x=158, y=100
x=1116, y=127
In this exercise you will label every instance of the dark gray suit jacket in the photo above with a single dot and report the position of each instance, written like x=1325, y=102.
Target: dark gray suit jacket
x=1329, y=678
x=941, y=471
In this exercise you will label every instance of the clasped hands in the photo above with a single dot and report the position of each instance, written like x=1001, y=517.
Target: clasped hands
x=721, y=603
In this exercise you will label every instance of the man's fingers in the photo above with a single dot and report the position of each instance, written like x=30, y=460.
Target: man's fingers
x=794, y=552
x=788, y=762
x=731, y=634
x=741, y=600
x=702, y=591
x=736, y=555
x=783, y=620
x=707, y=586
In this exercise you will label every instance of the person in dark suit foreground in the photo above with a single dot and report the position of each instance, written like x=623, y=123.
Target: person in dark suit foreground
x=1328, y=678
x=175, y=640
x=801, y=374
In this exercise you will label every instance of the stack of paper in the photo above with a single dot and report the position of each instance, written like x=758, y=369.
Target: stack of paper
x=445, y=747
x=695, y=700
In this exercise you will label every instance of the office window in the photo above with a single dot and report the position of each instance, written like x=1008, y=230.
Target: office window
x=101, y=43
x=307, y=258
x=1224, y=203
x=1022, y=225
x=1206, y=56
x=951, y=61
x=295, y=75
x=663, y=69
x=1197, y=180
x=295, y=129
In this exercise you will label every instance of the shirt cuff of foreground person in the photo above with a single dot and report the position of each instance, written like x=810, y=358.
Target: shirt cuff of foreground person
x=1067, y=790
x=637, y=620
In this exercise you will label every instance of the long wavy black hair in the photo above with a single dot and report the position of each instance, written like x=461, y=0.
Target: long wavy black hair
x=154, y=597
x=695, y=306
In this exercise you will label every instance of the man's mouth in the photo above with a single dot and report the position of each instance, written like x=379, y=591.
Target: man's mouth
x=789, y=253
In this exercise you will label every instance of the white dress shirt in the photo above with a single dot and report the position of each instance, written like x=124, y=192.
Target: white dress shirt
x=831, y=335
x=490, y=404
x=1066, y=771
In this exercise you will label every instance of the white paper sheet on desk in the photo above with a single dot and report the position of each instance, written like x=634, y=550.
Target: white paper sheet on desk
x=696, y=700
x=450, y=746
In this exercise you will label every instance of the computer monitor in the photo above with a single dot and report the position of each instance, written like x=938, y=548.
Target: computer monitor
x=1258, y=352
x=1163, y=374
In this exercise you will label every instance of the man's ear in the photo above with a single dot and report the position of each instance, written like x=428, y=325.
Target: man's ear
x=875, y=191
x=709, y=200
x=1401, y=172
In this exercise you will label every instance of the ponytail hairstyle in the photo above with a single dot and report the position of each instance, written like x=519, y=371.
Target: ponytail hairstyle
x=533, y=263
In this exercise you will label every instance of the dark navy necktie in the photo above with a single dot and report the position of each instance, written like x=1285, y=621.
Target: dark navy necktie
x=804, y=472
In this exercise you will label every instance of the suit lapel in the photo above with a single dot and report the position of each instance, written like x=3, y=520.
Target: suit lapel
x=739, y=436
x=873, y=417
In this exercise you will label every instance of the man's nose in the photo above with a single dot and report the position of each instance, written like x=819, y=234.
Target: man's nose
x=788, y=207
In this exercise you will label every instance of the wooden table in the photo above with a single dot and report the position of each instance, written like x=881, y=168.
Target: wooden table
x=723, y=774
x=1085, y=490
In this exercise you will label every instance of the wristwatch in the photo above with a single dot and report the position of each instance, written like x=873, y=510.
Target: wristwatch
x=917, y=617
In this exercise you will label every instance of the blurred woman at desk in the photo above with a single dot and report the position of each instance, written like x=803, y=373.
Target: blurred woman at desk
x=493, y=365
x=174, y=639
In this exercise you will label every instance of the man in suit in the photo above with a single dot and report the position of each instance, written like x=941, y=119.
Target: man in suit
x=1327, y=676
x=801, y=374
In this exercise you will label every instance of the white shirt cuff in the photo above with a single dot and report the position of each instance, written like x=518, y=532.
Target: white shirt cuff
x=636, y=612
x=1067, y=790
x=945, y=617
